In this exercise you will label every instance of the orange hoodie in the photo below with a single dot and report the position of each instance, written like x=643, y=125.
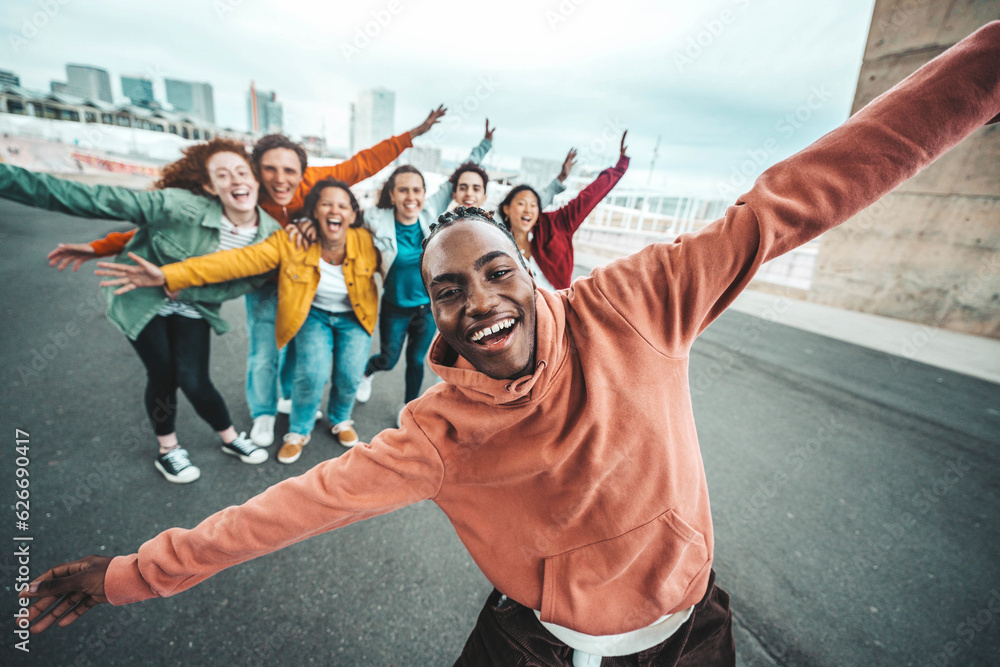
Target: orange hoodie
x=363, y=165
x=579, y=490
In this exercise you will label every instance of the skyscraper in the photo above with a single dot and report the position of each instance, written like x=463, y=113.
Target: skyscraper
x=87, y=81
x=138, y=90
x=265, y=114
x=9, y=78
x=372, y=118
x=191, y=97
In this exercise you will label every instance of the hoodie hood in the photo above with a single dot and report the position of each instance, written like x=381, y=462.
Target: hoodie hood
x=551, y=346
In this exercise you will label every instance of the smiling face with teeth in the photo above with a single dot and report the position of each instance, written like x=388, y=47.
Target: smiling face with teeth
x=407, y=196
x=332, y=215
x=281, y=173
x=232, y=180
x=482, y=297
x=522, y=212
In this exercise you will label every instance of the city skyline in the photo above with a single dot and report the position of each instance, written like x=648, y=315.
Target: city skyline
x=718, y=81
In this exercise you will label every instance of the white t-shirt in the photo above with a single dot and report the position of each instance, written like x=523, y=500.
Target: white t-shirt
x=230, y=236
x=332, y=295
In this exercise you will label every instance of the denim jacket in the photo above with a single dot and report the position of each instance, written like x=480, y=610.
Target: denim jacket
x=174, y=224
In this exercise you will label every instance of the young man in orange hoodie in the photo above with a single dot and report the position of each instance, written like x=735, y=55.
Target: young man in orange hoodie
x=286, y=179
x=561, y=444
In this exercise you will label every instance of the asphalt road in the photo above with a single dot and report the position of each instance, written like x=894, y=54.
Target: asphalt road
x=855, y=499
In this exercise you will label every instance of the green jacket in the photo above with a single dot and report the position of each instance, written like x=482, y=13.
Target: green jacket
x=174, y=224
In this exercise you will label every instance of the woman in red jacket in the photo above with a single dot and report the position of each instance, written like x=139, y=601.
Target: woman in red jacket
x=546, y=239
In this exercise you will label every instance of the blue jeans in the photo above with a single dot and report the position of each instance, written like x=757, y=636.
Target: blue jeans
x=265, y=362
x=326, y=338
x=394, y=325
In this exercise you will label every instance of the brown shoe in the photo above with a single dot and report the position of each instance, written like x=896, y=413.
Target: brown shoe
x=345, y=433
x=292, y=449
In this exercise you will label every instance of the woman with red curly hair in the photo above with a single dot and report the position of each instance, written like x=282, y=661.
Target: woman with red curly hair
x=204, y=202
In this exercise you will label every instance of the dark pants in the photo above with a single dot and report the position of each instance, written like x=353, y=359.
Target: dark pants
x=395, y=325
x=175, y=350
x=512, y=636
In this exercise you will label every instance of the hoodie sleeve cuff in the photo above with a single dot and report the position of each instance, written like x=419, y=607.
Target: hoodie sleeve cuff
x=123, y=583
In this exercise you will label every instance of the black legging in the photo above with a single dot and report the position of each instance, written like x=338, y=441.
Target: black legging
x=175, y=350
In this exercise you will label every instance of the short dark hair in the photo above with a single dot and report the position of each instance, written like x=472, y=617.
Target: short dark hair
x=309, y=203
x=468, y=213
x=384, y=200
x=510, y=197
x=271, y=141
x=465, y=167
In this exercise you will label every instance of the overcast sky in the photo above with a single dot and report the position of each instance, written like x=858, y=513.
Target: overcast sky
x=715, y=79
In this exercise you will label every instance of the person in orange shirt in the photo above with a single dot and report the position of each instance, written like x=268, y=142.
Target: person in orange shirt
x=286, y=178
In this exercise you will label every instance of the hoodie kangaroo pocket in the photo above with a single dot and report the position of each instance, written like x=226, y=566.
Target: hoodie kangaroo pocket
x=626, y=582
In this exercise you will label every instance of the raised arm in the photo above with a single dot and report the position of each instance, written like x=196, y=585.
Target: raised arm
x=549, y=192
x=368, y=162
x=79, y=199
x=569, y=217
x=671, y=292
x=438, y=203
x=399, y=468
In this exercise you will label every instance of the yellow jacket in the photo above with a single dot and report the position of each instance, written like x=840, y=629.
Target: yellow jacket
x=298, y=276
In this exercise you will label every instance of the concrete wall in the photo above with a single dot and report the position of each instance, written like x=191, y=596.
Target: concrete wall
x=929, y=252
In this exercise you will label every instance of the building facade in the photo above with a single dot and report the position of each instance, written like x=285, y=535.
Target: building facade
x=138, y=90
x=191, y=97
x=265, y=114
x=88, y=82
x=9, y=78
x=373, y=118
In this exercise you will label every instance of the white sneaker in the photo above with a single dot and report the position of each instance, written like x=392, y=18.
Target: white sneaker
x=364, y=389
x=176, y=467
x=262, y=433
x=244, y=449
x=285, y=406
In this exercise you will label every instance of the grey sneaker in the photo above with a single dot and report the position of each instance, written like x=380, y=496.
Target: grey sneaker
x=245, y=449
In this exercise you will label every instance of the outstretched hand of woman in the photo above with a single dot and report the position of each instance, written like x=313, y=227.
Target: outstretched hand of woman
x=624, y=147
x=66, y=592
x=142, y=274
x=71, y=253
x=432, y=118
x=567, y=165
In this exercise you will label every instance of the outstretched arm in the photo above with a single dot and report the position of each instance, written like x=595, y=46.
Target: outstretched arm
x=216, y=267
x=549, y=192
x=86, y=201
x=399, y=468
x=671, y=292
x=569, y=217
x=370, y=161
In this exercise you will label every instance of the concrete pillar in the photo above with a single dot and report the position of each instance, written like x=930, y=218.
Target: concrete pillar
x=929, y=252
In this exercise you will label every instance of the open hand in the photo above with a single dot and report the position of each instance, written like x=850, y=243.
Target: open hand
x=66, y=592
x=567, y=165
x=142, y=274
x=71, y=253
x=432, y=118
